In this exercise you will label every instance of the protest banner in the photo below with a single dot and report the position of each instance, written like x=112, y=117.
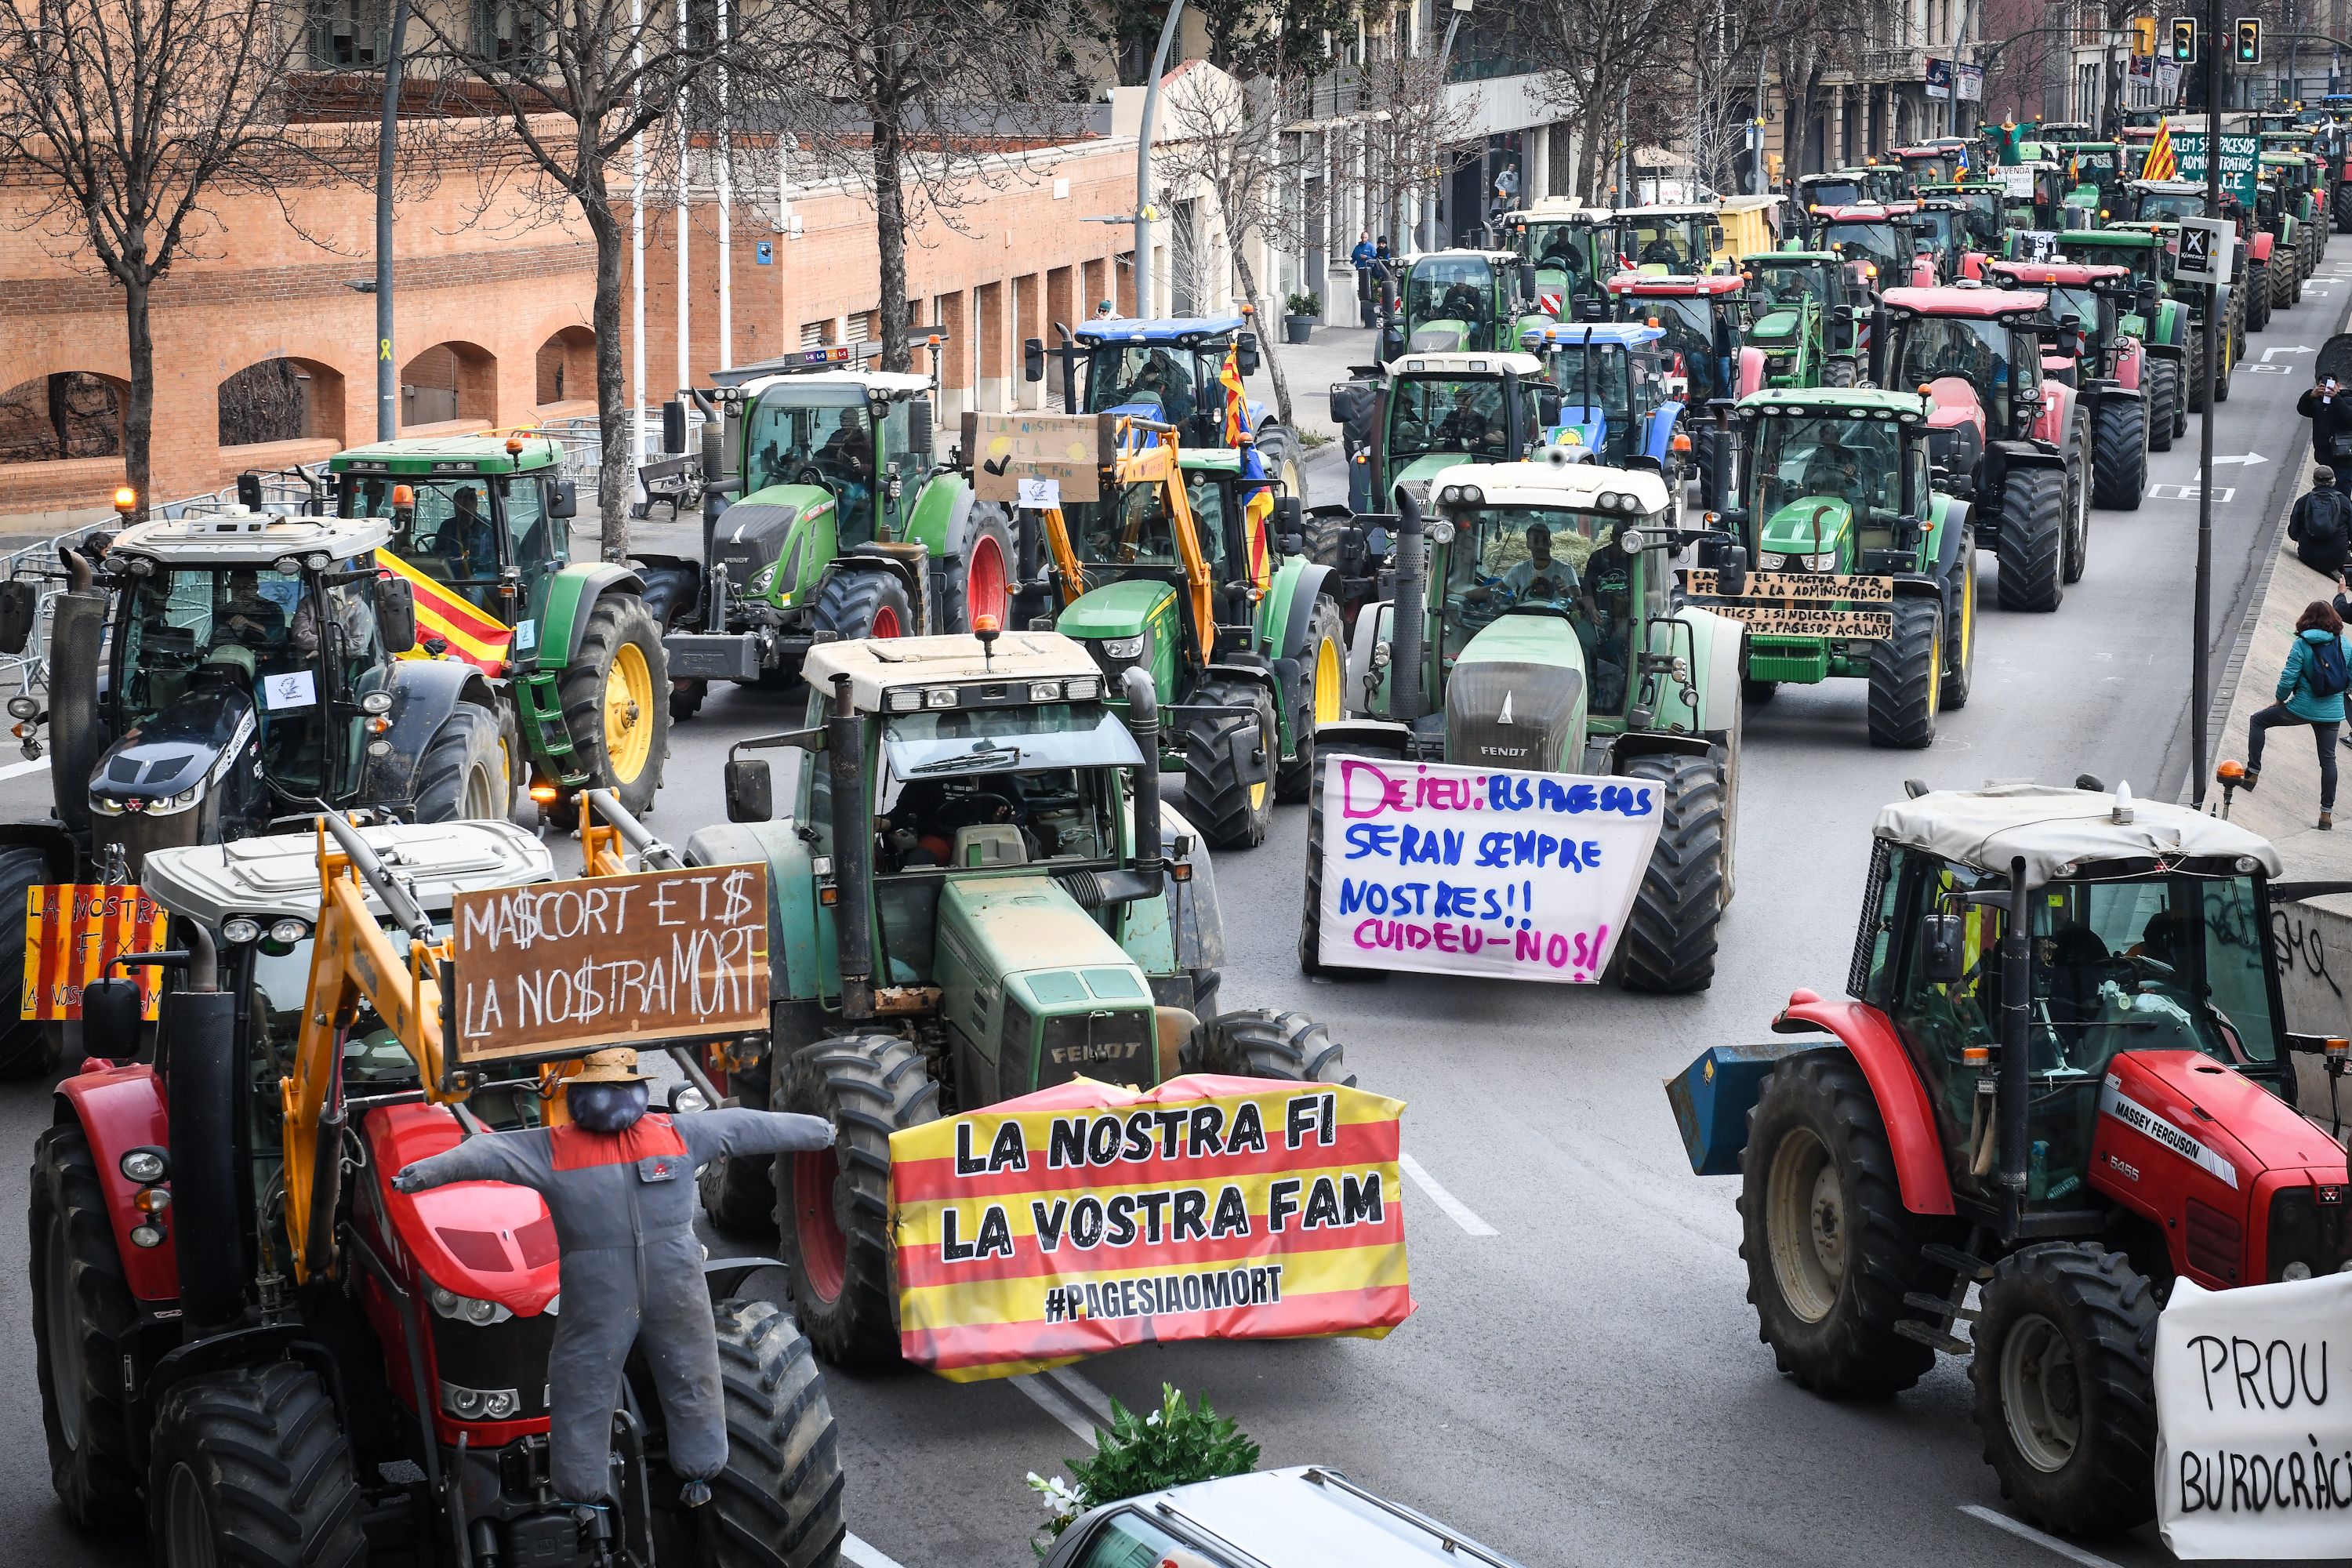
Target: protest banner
x=1822, y=585
x=1060, y=454
x=552, y=968
x=72, y=931
x=1086, y=1217
x=1459, y=870
x=1807, y=621
x=2253, y=1456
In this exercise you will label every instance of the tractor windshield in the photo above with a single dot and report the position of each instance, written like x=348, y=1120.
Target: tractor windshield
x=1790, y=283
x=1133, y=528
x=1119, y=375
x=1566, y=248
x=2178, y=963
x=1594, y=376
x=1660, y=245
x=1873, y=242
x=2140, y=258
x=1838, y=193
x=1828, y=457
x=1689, y=323
x=1940, y=229
x=1440, y=413
x=1971, y=348
x=1451, y=288
x=450, y=534
x=2170, y=206
x=816, y=434
x=1520, y=557
x=2078, y=300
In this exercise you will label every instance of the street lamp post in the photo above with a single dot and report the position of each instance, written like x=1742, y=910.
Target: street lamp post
x=1143, y=214
x=387, y=387
x=1444, y=52
x=2199, y=653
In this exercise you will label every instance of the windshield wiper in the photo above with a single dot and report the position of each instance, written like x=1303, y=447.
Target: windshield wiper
x=986, y=756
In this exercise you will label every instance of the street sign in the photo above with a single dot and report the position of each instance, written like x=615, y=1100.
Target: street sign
x=2207, y=245
x=2241, y=159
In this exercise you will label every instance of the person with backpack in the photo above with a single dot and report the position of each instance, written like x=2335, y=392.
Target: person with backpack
x=2321, y=526
x=2310, y=691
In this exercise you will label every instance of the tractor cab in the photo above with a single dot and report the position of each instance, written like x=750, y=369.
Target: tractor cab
x=2091, y=176
x=2161, y=201
x=1677, y=241
x=1940, y=231
x=1571, y=248
x=1806, y=316
x=1408, y=421
x=822, y=436
x=487, y=517
x=1870, y=239
x=1702, y=319
x=1836, y=481
x=1837, y=188
x=1168, y=372
x=1977, y=353
x=1613, y=406
x=1982, y=204
x=2088, y=303
x=1458, y=301
x=1929, y=166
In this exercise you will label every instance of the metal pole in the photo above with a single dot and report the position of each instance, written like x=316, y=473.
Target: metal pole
x=1143, y=311
x=387, y=373
x=726, y=204
x=685, y=231
x=2201, y=672
x=637, y=264
x=1437, y=109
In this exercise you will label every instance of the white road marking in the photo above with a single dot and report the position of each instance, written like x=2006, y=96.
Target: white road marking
x=865, y=1554
x=2222, y=494
x=1076, y=1386
x=2273, y=353
x=1455, y=1209
x=1044, y=1396
x=17, y=770
x=2249, y=460
x=2067, y=1549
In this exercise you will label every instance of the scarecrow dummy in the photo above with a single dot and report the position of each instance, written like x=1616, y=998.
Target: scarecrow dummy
x=619, y=1183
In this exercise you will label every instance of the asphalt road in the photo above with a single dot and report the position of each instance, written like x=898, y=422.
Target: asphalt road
x=1582, y=1381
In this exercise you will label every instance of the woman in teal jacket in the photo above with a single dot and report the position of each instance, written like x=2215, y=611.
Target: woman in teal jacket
x=2305, y=697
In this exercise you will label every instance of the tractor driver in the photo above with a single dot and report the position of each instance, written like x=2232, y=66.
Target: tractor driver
x=1466, y=426
x=1462, y=303
x=1540, y=579
x=249, y=615
x=847, y=457
x=466, y=543
x=1834, y=469
x=1662, y=251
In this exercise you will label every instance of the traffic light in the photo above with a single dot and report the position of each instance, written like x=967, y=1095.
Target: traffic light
x=2184, y=40
x=2250, y=41
x=2143, y=37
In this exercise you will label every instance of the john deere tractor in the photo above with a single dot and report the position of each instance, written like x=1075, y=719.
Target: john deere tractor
x=832, y=519
x=1531, y=625
x=1404, y=423
x=2162, y=325
x=1849, y=563
x=1807, y=317
x=1573, y=248
x=2059, y=1083
x=482, y=533
x=990, y=899
x=1462, y=301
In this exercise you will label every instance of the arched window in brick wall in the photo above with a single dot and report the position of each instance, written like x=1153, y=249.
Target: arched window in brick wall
x=68, y=414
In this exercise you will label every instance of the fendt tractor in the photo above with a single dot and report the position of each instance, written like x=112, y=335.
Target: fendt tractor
x=827, y=516
x=1404, y=423
x=1536, y=613
x=981, y=896
x=1573, y=248
x=482, y=532
x=1850, y=564
x=1462, y=301
x=2132, y=397
x=2014, y=443
x=213, y=676
x=2062, y=1081
x=247, y=1335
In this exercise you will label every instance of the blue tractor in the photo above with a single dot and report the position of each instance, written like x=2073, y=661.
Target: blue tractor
x=1613, y=404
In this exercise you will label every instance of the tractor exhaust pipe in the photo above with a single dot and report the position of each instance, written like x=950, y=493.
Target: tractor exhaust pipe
x=1143, y=723
x=1412, y=609
x=76, y=736
x=853, y=852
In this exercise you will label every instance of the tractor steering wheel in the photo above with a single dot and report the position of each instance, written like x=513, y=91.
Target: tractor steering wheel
x=808, y=474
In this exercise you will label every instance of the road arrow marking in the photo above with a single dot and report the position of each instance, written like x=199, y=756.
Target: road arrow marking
x=2287, y=348
x=2249, y=460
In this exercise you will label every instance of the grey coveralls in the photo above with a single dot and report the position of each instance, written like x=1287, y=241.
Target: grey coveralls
x=624, y=1209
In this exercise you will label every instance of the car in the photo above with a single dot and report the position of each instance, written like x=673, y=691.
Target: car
x=1308, y=1516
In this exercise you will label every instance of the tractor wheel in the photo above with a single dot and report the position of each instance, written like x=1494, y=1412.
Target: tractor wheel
x=1231, y=812
x=833, y=1206
x=1322, y=536
x=81, y=1306
x=28, y=1048
x=2261, y=291
x=1262, y=1043
x=1324, y=702
x=462, y=776
x=511, y=756
x=1831, y=1251
x=2193, y=372
x=2295, y=289
x=1959, y=664
x=778, y=1502
x=1906, y=677
x=686, y=699
x=1757, y=691
x=2032, y=540
x=1277, y=453
x=620, y=732
x=250, y=1466
x=1670, y=936
x=739, y=1194
x=2077, y=554
x=2342, y=204
x=2119, y=454
x=1839, y=373
x=2163, y=384
x=853, y=605
x=2065, y=1386
x=982, y=583
x=1310, y=910
x=1724, y=750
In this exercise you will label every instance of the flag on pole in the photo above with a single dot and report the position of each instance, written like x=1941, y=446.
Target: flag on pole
x=2160, y=163
x=1236, y=401
x=1259, y=507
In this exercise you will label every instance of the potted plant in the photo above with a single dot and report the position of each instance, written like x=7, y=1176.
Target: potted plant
x=1305, y=312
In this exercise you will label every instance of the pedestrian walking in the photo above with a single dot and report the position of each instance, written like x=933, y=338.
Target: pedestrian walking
x=2330, y=412
x=2310, y=691
x=2321, y=525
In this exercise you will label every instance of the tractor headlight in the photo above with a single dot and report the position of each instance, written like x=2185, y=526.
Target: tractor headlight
x=480, y=1403
x=1083, y=687
x=1768, y=562
x=1825, y=561
x=376, y=703
x=2298, y=1270
x=465, y=1309
x=1123, y=647
x=24, y=708
x=176, y=803
x=239, y=930
x=762, y=580
x=904, y=700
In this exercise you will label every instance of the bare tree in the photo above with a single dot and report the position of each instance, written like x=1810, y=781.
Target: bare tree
x=1404, y=124
x=121, y=120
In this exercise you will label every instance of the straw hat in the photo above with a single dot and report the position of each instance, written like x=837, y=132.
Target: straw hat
x=617, y=1065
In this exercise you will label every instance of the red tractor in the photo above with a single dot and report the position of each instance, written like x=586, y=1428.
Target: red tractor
x=1876, y=240
x=2015, y=441
x=2133, y=396
x=2059, y=1082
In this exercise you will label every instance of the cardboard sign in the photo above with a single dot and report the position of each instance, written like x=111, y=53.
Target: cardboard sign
x=72, y=931
x=557, y=968
x=1460, y=870
x=2253, y=1456
x=1798, y=621
x=1087, y=1216
x=1820, y=585
x=2016, y=179
x=1006, y=449
x=2241, y=159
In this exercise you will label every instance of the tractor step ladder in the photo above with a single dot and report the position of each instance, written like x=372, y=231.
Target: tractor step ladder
x=1935, y=1337
x=1940, y=1306
x=1966, y=1265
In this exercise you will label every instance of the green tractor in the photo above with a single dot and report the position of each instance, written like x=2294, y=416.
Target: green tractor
x=1536, y=613
x=979, y=896
x=2161, y=323
x=1807, y=317
x=1981, y=205
x=481, y=530
x=2283, y=205
x=1404, y=423
x=1861, y=569
x=1461, y=301
x=1574, y=250
x=833, y=521
x=2157, y=206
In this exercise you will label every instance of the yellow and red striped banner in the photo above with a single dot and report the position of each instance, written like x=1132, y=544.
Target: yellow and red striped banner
x=1087, y=1216
x=473, y=634
x=2160, y=165
x=71, y=930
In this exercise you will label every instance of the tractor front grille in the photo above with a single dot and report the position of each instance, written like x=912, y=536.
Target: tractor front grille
x=2309, y=1226
x=1110, y=1044
x=1803, y=659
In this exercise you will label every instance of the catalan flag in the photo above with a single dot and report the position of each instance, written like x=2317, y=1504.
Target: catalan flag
x=2160, y=165
x=471, y=633
x=1236, y=400
x=1259, y=508
x=72, y=931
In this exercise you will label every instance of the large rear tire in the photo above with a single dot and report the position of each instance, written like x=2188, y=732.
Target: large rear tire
x=2065, y=1386
x=1839, y=373
x=28, y=1046
x=1322, y=535
x=1322, y=698
x=833, y=1206
x=462, y=776
x=2163, y=383
x=1960, y=667
x=2119, y=453
x=1219, y=753
x=1262, y=1043
x=1669, y=942
x=854, y=604
x=739, y=1194
x=250, y=1466
x=2032, y=540
x=2193, y=370
x=982, y=583
x=1906, y=677
x=2078, y=500
x=1831, y=1250
x=81, y=1307
x=615, y=701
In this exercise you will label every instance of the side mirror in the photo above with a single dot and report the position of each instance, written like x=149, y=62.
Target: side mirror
x=1943, y=959
x=1032, y=359
x=565, y=502
x=18, y=606
x=1289, y=518
x=110, y=1018
x=1548, y=408
x=1527, y=281
x=1246, y=353
x=396, y=614
x=1731, y=572
x=751, y=791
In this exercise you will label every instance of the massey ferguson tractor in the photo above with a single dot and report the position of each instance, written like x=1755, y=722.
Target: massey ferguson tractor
x=2058, y=1081
x=247, y=1337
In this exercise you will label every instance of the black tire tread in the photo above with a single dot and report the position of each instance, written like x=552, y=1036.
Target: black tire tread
x=28, y=1048
x=2119, y=453
x=779, y=1498
x=2032, y=540
x=2163, y=385
x=987, y=520
x=466, y=741
x=1259, y=1042
x=95, y=1482
x=1904, y=692
x=1669, y=943
x=274, y=1463
x=1293, y=776
x=1217, y=800
x=616, y=619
